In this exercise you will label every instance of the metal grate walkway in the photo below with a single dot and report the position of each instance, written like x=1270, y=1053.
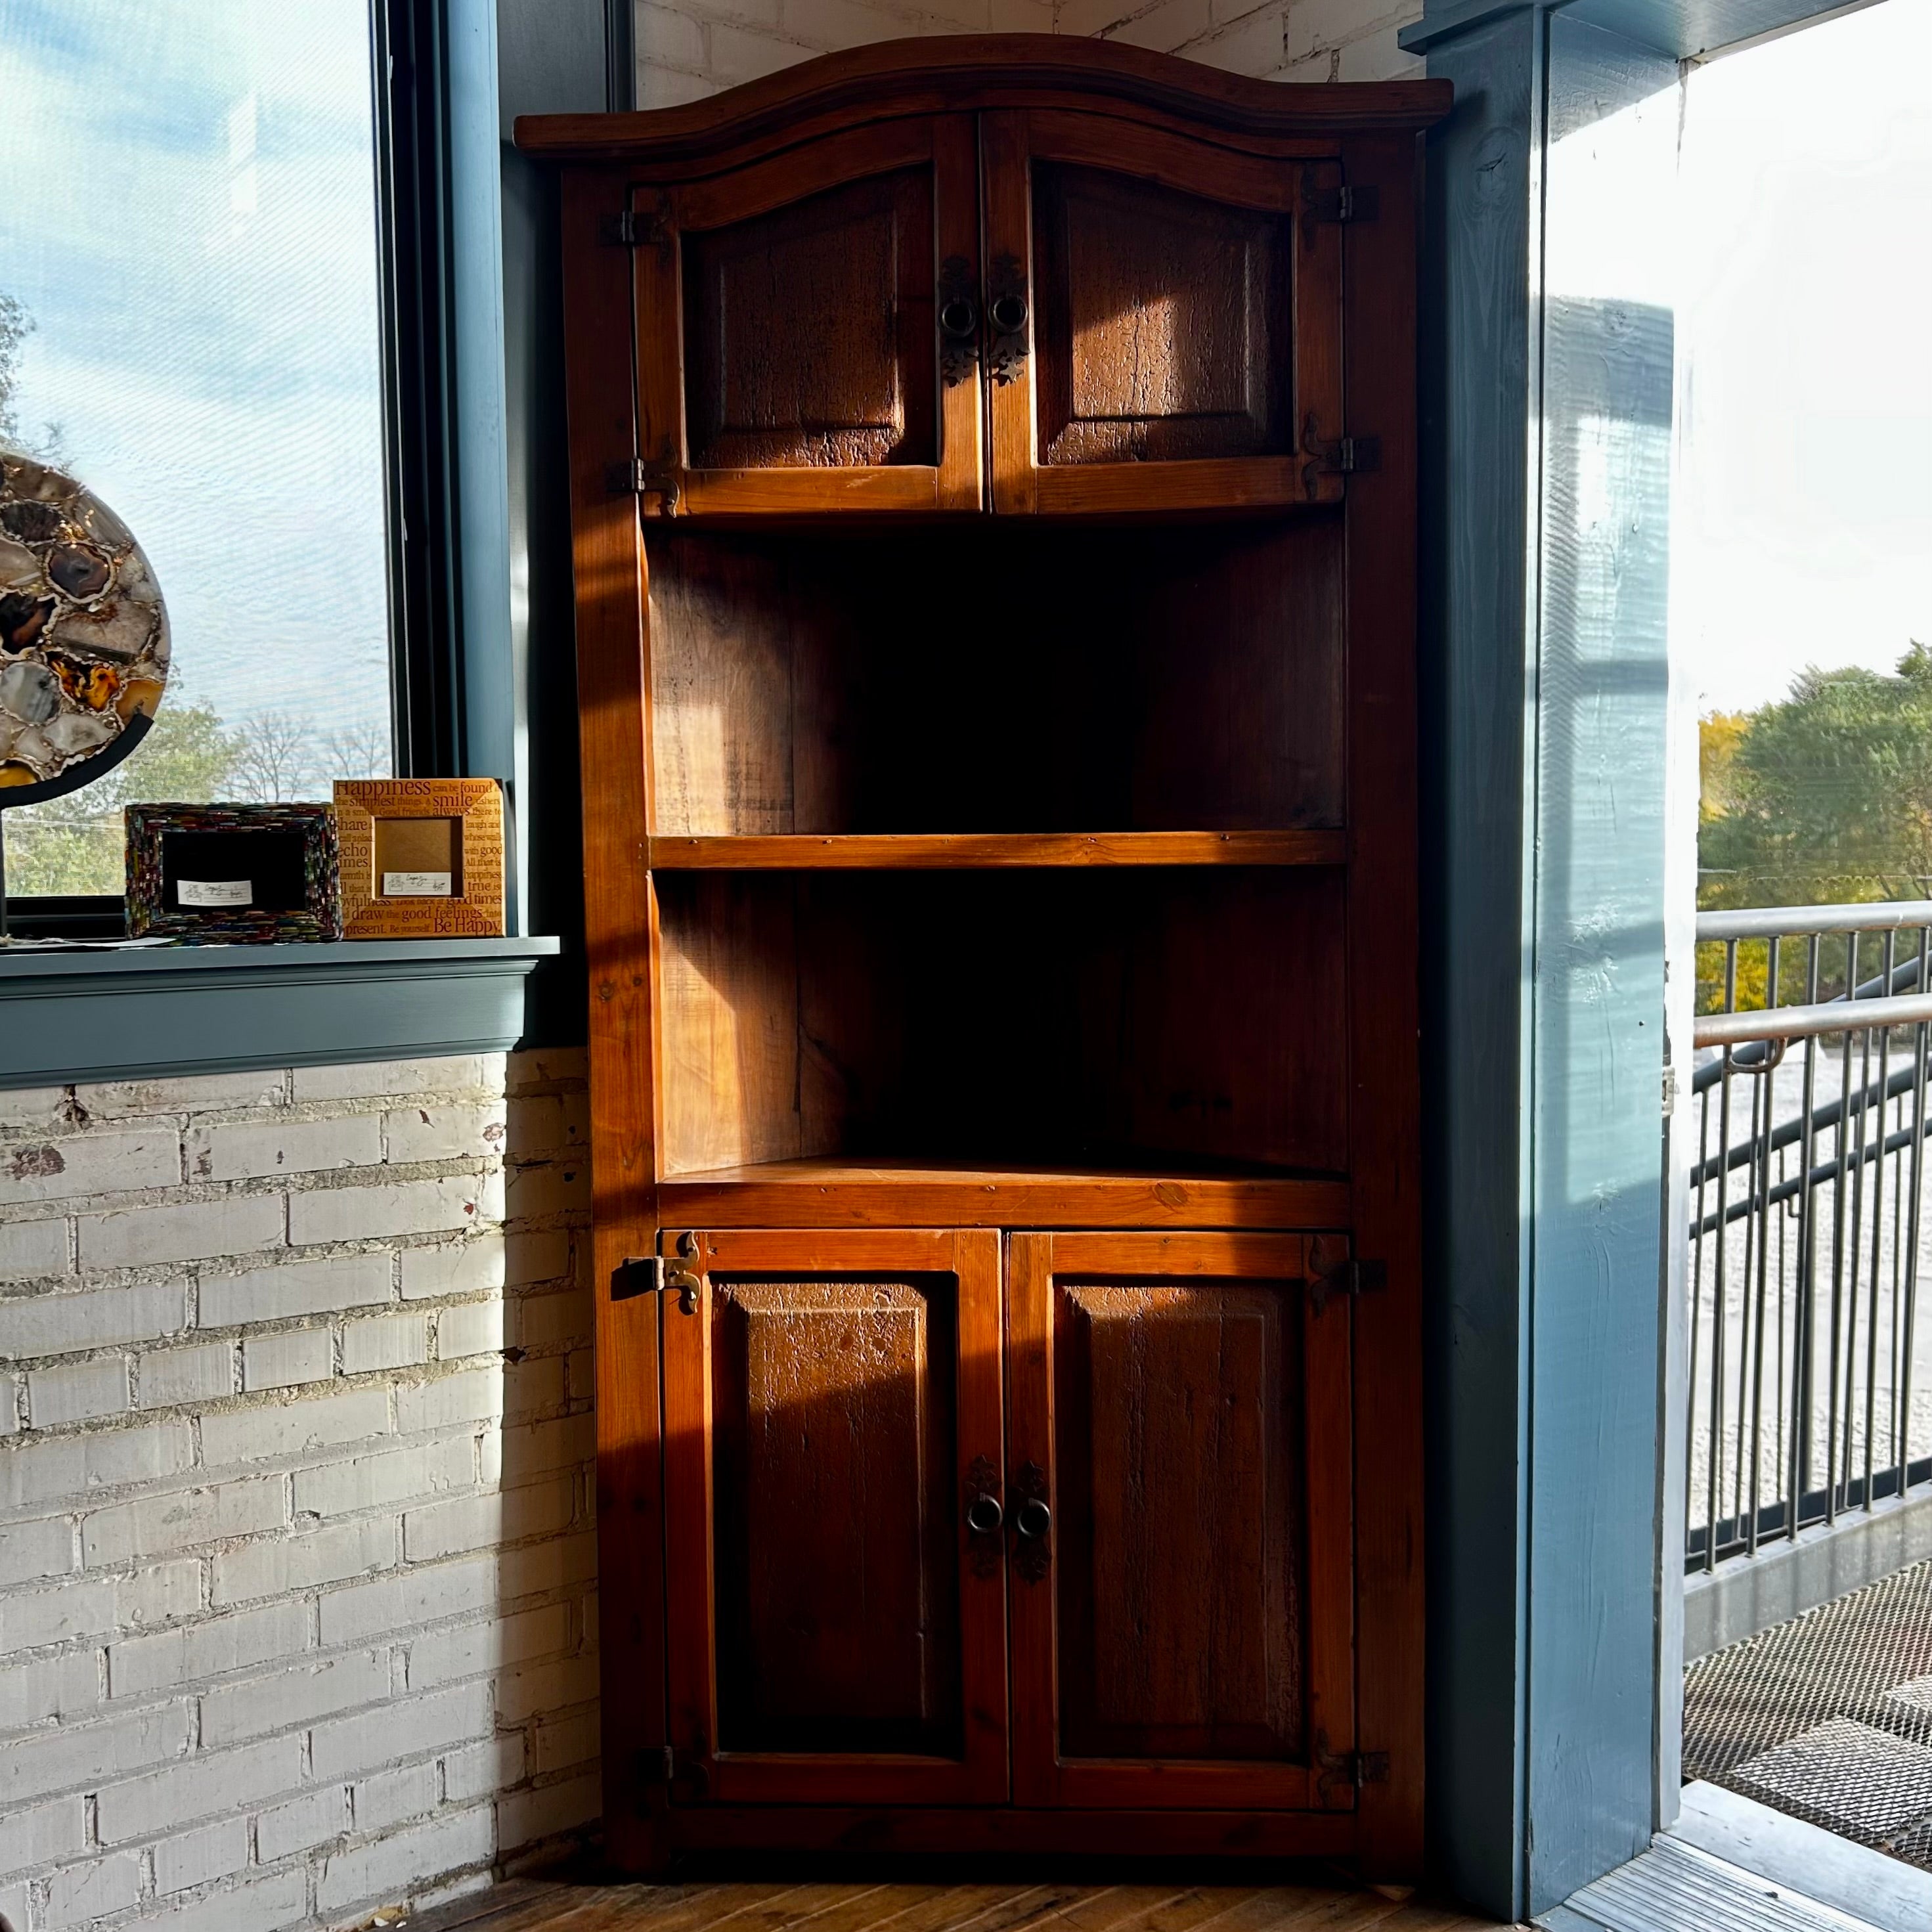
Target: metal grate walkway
x=1829, y=1717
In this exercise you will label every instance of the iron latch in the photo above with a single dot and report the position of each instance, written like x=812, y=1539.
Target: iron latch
x=1349, y=1769
x=1348, y=1277
x=655, y=1765
x=637, y=478
x=632, y=229
x=1342, y=204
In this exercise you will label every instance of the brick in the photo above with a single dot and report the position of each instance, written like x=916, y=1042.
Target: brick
x=446, y=1132
x=30, y=1249
x=542, y=1688
x=533, y=1066
x=470, y=1650
x=1380, y=56
x=283, y=1360
x=384, y=1208
x=475, y=1771
x=154, y=1526
x=541, y=1320
x=663, y=35
x=385, y=1342
x=185, y=1231
x=391, y=1796
x=540, y=1446
x=525, y=1816
x=165, y=1378
x=29, y=1551
x=473, y=1395
x=397, y=1864
x=276, y=1565
x=301, y=1823
x=200, y=1093
x=415, y=1597
x=471, y=1328
x=490, y=1260
x=370, y=1079
x=294, y=1427
x=405, y=1728
x=295, y=1694
x=189, y=1858
x=549, y=1124
x=508, y=1516
x=70, y=1466
x=738, y=55
x=196, y=1651
x=562, y=1743
x=398, y=1475
x=1252, y=45
x=77, y=1393
x=206, y=1786
x=56, y=1686
x=553, y=1565
x=667, y=87
x=282, y=1900
x=14, y=1900
x=11, y=1388
x=583, y=1380
x=254, y=1151
x=158, y=1595
x=89, y=1164
x=31, y=1617
x=77, y=1893
x=541, y=1189
x=314, y=1287
x=43, y=1763
x=39, y=1834
x=33, y=1107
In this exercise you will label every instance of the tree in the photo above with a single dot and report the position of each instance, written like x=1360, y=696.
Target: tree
x=16, y=324
x=271, y=755
x=74, y=844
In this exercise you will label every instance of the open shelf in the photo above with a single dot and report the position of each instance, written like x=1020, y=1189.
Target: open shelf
x=895, y=1193
x=940, y=850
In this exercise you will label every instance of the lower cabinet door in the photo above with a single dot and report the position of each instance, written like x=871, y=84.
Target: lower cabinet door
x=835, y=1559
x=1178, y=1498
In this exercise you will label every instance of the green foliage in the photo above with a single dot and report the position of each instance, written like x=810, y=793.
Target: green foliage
x=1822, y=798
x=74, y=844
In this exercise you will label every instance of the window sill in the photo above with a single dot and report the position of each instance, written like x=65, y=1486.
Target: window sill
x=170, y=1011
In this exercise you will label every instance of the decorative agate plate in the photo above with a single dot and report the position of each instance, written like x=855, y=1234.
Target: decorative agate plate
x=83, y=636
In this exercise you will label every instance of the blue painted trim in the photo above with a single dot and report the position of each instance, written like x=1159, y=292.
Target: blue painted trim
x=167, y=1011
x=1683, y=29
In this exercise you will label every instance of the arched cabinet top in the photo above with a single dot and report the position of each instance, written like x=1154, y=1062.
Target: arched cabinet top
x=968, y=71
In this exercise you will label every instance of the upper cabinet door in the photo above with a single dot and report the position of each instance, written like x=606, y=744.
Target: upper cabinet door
x=808, y=328
x=1164, y=320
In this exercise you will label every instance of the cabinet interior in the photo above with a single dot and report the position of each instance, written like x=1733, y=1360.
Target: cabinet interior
x=995, y=675
x=1187, y=1019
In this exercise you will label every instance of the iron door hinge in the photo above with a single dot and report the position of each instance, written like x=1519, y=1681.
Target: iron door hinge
x=650, y=1274
x=637, y=478
x=1348, y=1277
x=633, y=229
x=1343, y=455
x=1350, y=1770
x=1341, y=204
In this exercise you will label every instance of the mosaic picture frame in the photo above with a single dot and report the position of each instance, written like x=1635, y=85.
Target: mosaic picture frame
x=421, y=858
x=225, y=874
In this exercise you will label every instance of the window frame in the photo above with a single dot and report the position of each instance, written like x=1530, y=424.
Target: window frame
x=416, y=310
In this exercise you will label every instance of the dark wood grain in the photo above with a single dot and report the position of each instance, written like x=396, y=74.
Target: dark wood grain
x=946, y=850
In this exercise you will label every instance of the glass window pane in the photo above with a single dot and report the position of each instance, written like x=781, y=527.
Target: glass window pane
x=188, y=269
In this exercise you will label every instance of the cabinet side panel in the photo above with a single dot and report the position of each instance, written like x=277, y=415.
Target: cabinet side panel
x=1180, y=1503
x=837, y=1571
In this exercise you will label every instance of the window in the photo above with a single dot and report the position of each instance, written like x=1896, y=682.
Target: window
x=191, y=326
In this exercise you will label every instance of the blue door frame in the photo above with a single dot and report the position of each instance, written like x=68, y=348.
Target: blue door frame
x=1555, y=1520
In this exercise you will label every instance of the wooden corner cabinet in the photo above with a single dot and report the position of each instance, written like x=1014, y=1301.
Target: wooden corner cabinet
x=994, y=489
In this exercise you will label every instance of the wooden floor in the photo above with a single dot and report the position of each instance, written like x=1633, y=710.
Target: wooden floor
x=526, y=1905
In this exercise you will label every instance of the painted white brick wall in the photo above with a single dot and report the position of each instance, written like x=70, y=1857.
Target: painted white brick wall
x=688, y=48
x=297, y=1561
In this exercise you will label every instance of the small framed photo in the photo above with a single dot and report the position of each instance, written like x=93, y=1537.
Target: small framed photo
x=421, y=858
x=224, y=873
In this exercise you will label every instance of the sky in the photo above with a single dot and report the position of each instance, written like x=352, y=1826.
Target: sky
x=1802, y=531
x=190, y=222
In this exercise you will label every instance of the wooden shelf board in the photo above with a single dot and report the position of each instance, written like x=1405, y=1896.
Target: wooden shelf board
x=938, y=849
x=847, y=1193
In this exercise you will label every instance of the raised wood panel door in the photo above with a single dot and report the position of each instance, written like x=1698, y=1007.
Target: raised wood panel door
x=832, y=1491
x=793, y=349
x=1178, y=1471
x=1164, y=318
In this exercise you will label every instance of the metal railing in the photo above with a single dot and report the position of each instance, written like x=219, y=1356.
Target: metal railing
x=1810, y=1383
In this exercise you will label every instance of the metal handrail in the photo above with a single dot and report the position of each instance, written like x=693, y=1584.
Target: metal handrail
x=1797, y=922
x=1801, y=1022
